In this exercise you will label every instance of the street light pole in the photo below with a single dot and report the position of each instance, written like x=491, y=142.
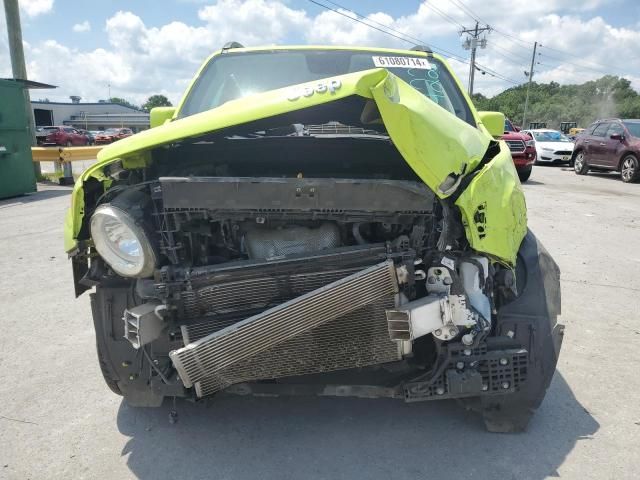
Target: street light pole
x=530, y=74
x=18, y=67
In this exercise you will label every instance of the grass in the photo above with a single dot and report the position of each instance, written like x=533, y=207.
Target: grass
x=49, y=177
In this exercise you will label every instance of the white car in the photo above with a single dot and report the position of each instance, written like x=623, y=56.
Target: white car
x=552, y=146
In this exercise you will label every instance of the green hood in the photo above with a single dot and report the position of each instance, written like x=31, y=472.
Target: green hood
x=438, y=146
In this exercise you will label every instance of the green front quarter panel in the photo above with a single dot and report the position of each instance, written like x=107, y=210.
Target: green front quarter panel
x=437, y=144
x=494, y=211
x=441, y=148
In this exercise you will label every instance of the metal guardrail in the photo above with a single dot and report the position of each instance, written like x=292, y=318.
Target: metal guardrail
x=64, y=154
x=62, y=158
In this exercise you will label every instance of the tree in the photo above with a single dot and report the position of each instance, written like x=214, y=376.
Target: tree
x=122, y=101
x=553, y=103
x=156, y=101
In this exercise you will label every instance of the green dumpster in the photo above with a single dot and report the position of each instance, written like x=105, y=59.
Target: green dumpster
x=16, y=166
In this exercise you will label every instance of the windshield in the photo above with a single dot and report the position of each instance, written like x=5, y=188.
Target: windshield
x=634, y=128
x=111, y=130
x=231, y=76
x=508, y=127
x=550, y=137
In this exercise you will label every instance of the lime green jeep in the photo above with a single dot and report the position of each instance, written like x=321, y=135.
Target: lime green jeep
x=318, y=221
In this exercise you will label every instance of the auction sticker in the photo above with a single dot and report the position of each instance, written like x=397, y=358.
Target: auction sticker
x=402, y=62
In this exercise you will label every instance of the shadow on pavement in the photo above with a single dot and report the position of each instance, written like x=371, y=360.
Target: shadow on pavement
x=334, y=438
x=45, y=192
x=609, y=175
x=533, y=182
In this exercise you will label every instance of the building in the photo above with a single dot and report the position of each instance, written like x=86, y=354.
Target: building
x=89, y=116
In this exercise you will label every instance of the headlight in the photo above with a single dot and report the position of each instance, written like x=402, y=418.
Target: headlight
x=530, y=143
x=121, y=242
x=547, y=149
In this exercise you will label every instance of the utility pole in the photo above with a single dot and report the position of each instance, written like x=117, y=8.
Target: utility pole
x=530, y=75
x=18, y=67
x=472, y=43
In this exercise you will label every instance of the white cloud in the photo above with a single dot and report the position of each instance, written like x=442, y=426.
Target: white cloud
x=34, y=8
x=140, y=60
x=82, y=27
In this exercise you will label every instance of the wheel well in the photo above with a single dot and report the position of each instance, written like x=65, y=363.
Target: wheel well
x=575, y=152
x=624, y=154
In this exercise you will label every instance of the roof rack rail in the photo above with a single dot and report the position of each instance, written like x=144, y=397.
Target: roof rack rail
x=422, y=48
x=230, y=45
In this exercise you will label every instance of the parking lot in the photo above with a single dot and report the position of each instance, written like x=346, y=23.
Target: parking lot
x=59, y=420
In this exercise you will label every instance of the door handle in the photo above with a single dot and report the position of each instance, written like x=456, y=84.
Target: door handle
x=603, y=144
x=586, y=141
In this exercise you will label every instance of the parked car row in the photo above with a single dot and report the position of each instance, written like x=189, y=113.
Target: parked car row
x=70, y=136
x=606, y=145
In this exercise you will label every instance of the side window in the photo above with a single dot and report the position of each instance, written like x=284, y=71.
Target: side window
x=600, y=130
x=615, y=128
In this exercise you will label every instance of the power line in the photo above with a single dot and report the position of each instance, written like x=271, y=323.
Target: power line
x=468, y=11
x=363, y=17
x=516, y=59
x=513, y=39
x=444, y=15
x=405, y=38
x=387, y=30
x=583, y=61
x=511, y=60
x=580, y=57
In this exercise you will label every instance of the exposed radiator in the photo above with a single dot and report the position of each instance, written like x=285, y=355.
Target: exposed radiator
x=256, y=293
x=202, y=359
x=357, y=339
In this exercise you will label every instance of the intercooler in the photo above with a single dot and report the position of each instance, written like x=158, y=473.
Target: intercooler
x=331, y=324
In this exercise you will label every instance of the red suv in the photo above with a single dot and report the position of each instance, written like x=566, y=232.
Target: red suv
x=523, y=150
x=67, y=136
x=112, y=134
x=607, y=145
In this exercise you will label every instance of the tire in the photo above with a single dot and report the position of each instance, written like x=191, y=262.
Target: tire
x=531, y=319
x=580, y=165
x=125, y=372
x=112, y=383
x=525, y=174
x=629, y=169
x=69, y=144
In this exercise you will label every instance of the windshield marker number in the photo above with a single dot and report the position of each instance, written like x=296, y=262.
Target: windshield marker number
x=321, y=87
x=402, y=62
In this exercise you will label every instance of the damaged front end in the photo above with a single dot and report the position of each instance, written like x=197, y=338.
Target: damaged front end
x=355, y=240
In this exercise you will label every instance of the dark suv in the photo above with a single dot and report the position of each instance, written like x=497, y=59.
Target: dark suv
x=611, y=144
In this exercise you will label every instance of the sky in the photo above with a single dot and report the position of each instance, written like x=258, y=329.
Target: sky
x=137, y=48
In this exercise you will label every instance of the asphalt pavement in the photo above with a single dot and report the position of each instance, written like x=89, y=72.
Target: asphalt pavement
x=58, y=420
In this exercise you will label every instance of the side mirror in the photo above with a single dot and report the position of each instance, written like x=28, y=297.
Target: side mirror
x=493, y=122
x=617, y=136
x=159, y=115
